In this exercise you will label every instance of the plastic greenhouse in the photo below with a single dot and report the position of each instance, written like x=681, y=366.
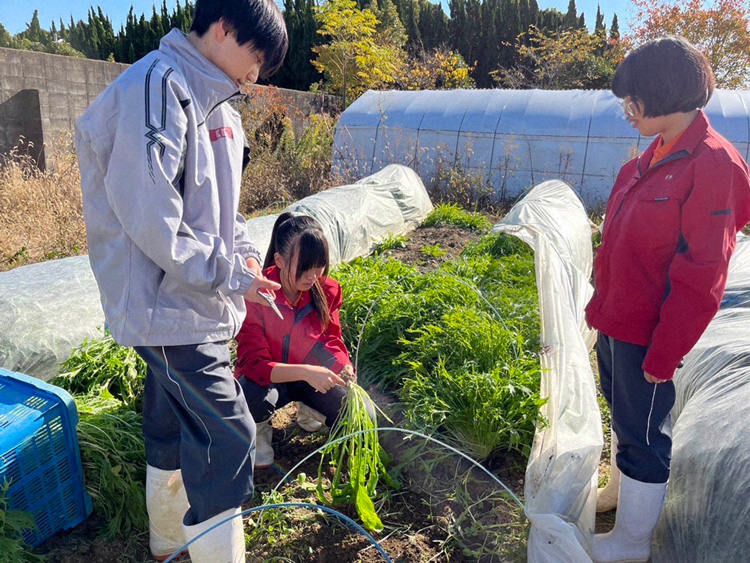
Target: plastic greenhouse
x=514, y=139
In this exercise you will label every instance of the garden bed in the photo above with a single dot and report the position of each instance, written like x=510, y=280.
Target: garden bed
x=446, y=509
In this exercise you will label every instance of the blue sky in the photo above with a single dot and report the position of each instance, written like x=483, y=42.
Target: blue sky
x=15, y=14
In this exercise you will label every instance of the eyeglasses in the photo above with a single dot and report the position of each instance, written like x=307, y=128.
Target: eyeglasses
x=628, y=107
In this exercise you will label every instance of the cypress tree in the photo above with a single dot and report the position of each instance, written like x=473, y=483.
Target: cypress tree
x=582, y=21
x=570, y=21
x=599, y=25
x=614, y=30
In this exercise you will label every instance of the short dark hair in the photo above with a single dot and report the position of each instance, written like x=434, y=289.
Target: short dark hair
x=259, y=22
x=666, y=75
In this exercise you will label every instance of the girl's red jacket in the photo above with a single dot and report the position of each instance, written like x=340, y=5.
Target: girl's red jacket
x=668, y=234
x=265, y=340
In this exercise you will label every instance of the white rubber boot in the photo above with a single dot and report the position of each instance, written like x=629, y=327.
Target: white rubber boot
x=166, y=503
x=225, y=544
x=606, y=497
x=263, y=447
x=637, y=514
x=308, y=418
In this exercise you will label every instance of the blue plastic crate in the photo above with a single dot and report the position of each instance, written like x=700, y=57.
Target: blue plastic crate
x=39, y=454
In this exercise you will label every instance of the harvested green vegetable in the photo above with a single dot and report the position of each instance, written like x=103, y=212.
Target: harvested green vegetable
x=13, y=548
x=359, y=461
x=114, y=462
x=102, y=364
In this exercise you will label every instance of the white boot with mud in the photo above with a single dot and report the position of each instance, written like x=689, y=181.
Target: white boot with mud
x=308, y=418
x=263, y=447
x=638, y=512
x=225, y=544
x=606, y=497
x=166, y=503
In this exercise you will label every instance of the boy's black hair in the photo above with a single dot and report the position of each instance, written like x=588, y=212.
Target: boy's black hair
x=259, y=22
x=302, y=235
x=665, y=75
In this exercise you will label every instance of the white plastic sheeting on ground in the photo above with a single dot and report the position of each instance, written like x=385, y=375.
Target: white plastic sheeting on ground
x=561, y=477
x=513, y=139
x=48, y=309
x=707, y=510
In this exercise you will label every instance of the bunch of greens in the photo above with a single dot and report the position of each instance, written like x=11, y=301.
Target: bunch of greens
x=100, y=365
x=358, y=460
x=13, y=548
x=114, y=461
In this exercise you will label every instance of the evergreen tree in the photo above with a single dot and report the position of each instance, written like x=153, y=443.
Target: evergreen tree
x=6, y=39
x=614, y=30
x=599, y=25
x=582, y=21
x=34, y=31
x=570, y=21
x=550, y=20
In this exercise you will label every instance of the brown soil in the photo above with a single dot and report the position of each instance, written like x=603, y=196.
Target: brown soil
x=445, y=510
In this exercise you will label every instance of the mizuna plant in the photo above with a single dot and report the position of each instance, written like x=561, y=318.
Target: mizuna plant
x=114, y=462
x=13, y=549
x=103, y=365
x=357, y=460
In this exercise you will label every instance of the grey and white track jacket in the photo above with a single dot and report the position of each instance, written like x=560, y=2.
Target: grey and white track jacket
x=161, y=154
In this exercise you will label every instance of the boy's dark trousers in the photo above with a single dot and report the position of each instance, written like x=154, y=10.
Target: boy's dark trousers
x=195, y=418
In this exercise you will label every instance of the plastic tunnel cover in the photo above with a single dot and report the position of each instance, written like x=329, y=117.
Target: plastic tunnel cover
x=706, y=515
x=47, y=309
x=561, y=476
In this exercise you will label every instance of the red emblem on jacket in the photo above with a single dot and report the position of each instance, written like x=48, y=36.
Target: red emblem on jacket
x=221, y=133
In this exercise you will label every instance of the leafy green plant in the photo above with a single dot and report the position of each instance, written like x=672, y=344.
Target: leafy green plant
x=478, y=412
x=452, y=214
x=390, y=242
x=114, y=461
x=358, y=461
x=433, y=250
x=103, y=365
x=13, y=548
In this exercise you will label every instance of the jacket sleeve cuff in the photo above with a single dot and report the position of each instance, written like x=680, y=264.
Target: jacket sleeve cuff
x=260, y=373
x=659, y=367
x=244, y=279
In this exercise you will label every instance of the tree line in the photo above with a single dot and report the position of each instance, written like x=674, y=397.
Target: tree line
x=481, y=36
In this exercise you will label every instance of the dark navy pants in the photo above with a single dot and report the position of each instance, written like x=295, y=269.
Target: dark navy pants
x=195, y=418
x=640, y=410
x=264, y=400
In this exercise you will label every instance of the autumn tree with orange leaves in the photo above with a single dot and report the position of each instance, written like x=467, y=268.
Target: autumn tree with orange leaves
x=721, y=30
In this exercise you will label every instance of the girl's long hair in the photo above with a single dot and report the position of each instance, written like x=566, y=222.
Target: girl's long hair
x=302, y=232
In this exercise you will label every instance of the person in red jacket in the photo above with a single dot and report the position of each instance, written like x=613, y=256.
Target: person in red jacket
x=669, y=232
x=301, y=357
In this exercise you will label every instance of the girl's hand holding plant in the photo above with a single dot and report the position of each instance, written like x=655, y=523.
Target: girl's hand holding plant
x=322, y=379
x=347, y=374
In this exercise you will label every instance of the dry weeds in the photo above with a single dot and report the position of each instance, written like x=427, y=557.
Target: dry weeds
x=41, y=213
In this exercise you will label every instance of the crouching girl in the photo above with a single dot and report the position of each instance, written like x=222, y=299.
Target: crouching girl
x=302, y=356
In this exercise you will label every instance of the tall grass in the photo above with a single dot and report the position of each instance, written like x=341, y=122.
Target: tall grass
x=42, y=213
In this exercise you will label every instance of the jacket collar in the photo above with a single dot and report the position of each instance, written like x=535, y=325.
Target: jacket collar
x=688, y=142
x=208, y=83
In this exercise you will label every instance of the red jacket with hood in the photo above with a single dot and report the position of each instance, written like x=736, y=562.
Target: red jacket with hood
x=668, y=235
x=265, y=340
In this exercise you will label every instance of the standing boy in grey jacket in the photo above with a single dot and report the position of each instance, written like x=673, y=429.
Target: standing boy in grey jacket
x=161, y=154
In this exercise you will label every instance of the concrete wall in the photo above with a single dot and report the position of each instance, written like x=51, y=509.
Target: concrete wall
x=41, y=96
x=64, y=87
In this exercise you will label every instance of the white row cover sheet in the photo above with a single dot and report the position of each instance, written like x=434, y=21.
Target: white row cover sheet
x=707, y=510
x=512, y=139
x=48, y=309
x=561, y=476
